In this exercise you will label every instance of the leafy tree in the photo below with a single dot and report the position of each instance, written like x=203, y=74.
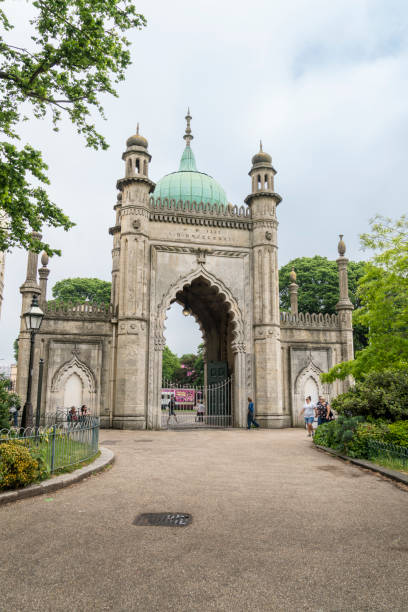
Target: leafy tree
x=185, y=370
x=170, y=364
x=76, y=55
x=318, y=282
x=7, y=401
x=199, y=365
x=381, y=395
x=15, y=349
x=78, y=290
x=383, y=295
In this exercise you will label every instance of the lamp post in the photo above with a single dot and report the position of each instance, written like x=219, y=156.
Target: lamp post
x=33, y=319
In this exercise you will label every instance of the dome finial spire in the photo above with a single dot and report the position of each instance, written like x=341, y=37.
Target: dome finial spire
x=137, y=129
x=260, y=146
x=188, y=137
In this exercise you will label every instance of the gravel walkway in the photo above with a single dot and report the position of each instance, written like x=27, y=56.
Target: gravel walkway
x=277, y=525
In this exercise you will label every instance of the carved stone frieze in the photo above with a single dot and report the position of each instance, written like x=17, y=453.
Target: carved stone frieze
x=195, y=220
x=135, y=211
x=134, y=327
x=167, y=248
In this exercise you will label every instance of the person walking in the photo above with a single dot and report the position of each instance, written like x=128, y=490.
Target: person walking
x=200, y=412
x=323, y=411
x=309, y=411
x=172, y=407
x=13, y=415
x=251, y=416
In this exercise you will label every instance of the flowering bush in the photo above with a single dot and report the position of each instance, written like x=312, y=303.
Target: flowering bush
x=17, y=467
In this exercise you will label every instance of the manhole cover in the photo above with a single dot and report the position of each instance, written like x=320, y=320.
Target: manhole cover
x=163, y=519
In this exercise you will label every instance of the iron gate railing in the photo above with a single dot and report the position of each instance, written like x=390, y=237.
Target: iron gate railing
x=216, y=398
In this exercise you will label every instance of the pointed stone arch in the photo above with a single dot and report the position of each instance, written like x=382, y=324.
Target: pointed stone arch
x=187, y=279
x=73, y=367
x=307, y=379
x=157, y=342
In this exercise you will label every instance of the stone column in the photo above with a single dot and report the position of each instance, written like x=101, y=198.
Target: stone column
x=345, y=308
x=267, y=347
x=130, y=272
x=240, y=391
x=43, y=274
x=293, y=292
x=27, y=290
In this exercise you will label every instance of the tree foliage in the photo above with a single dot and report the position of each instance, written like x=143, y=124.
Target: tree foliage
x=318, y=281
x=185, y=370
x=381, y=395
x=77, y=53
x=7, y=401
x=170, y=364
x=383, y=295
x=79, y=290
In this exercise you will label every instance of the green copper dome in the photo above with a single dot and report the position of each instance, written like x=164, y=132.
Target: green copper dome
x=188, y=184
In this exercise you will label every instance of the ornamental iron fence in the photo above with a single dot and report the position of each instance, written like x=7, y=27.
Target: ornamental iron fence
x=61, y=444
x=396, y=455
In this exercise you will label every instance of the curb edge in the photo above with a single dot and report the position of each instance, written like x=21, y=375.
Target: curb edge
x=368, y=465
x=107, y=457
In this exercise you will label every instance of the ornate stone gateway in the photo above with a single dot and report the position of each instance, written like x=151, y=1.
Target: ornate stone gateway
x=180, y=240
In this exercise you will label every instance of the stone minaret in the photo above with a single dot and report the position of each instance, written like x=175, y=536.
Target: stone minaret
x=27, y=290
x=344, y=306
x=293, y=292
x=268, y=362
x=130, y=258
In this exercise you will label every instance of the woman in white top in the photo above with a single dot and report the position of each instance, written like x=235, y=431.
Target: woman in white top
x=309, y=414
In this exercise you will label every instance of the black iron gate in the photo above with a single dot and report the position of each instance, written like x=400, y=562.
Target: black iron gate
x=186, y=407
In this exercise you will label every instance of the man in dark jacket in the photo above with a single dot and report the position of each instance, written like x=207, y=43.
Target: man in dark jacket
x=251, y=416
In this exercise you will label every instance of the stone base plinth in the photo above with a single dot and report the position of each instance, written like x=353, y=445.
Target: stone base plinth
x=105, y=422
x=128, y=422
x=273, y=421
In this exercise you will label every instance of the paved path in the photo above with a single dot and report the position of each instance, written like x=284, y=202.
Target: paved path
x=277, y=526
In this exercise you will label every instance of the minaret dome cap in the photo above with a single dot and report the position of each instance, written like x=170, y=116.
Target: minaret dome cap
x=261, y=157
x=137, y=140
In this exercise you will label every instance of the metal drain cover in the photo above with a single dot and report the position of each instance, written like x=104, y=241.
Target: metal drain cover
x=163, y=519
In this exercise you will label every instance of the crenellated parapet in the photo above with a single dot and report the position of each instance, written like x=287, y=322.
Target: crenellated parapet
x=306, y=320
x=200, y=213
x=88, y=311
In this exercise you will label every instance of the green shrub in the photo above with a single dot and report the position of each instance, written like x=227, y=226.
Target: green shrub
x=337, y=434
x=397, y=433
x=17, y=467
x=381, y=395
x=40, y=456
x=359, y=445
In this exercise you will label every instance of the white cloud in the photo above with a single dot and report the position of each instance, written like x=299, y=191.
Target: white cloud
x=323, y=83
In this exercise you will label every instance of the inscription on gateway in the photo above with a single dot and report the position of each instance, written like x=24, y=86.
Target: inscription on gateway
x=205, y=234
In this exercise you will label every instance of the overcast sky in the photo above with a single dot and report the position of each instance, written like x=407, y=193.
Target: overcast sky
x=324, y=84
